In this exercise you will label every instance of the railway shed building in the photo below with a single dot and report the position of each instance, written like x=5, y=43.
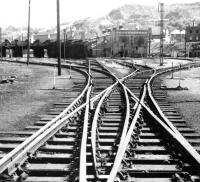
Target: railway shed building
x=123, y=43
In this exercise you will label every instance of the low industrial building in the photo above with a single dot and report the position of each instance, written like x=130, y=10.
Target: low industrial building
x=123, y=43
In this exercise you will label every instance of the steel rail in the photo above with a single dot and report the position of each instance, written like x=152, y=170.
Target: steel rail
x=186, y=145
x=127, y=132
x=95, y=120
x=173, y=132
x=83, y=152
x=19, y=149
x=126, y=121
x=125, y=63
x=14, y=154
x=94, y=123
x=122, y=149
x=29, y=150
x=94, y=127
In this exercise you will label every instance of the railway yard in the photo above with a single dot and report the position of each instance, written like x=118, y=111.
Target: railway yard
x=111, y=121
x=99, y=92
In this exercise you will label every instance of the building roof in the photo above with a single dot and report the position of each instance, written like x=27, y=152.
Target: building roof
x=156, y=30
x=176, y=32
x=106, y=22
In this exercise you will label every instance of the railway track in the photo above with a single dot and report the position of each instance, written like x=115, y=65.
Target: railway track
x=114, y=131
x=150, y=152
x=14, y=143
x=50, y=157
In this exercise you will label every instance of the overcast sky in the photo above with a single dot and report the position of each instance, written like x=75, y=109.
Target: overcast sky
x=43, y=12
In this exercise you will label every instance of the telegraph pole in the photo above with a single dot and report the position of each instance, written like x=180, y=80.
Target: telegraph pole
x=1, y=41
x=185, y=42
x=161, y=10
x=64, y=44
x=28, y=47
x=149, y=36
x=22, y=43
x=58, y=37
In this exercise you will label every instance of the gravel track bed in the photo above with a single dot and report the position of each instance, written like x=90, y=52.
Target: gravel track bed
x=187, y=102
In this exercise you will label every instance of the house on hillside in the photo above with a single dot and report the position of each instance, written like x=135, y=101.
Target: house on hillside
x=178, y=36
x=193, y=40
x=42, y=36
x=156, y=35
x=193, y=33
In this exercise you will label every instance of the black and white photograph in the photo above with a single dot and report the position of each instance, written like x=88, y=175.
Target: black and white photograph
x=99, y=91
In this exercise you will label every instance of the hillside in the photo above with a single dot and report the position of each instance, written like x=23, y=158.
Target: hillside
x=131, y=16
x=177, y=15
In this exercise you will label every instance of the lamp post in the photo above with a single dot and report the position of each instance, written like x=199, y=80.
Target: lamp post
x=28, y=47
x=58, y=37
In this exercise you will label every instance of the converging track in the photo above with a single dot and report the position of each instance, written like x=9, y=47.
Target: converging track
x=118, y=128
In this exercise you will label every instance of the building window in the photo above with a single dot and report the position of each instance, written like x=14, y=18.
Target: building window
x=197, y=38
x=197, y=31
x=190, y=37
x=190, y=31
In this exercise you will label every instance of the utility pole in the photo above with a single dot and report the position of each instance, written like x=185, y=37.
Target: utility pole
x=64, y=44
x=172, y=71
x=185, y=41
x=149, y=41
x=179, y=83
x=161, y=10
x=58, y=37
x=1, y=41
x=22, y=43
x=28, y=47
x=96, y=46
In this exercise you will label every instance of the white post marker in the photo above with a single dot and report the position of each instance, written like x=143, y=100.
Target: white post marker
x=70, y=76
x=180, y=77
x=54, y=78
x=133, y=64
x=172, y=71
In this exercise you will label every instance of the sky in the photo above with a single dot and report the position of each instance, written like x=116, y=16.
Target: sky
x=43, y=12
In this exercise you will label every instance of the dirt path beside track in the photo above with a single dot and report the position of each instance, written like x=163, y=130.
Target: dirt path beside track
x=30, y=95
x=186, y=101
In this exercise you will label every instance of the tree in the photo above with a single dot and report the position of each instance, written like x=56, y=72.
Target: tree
x=116, y=14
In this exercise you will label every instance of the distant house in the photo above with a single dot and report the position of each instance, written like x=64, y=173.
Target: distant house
x=156, y=34
x=193, y=33
x=178, y=36
x=193, y=39
x=42, y=36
